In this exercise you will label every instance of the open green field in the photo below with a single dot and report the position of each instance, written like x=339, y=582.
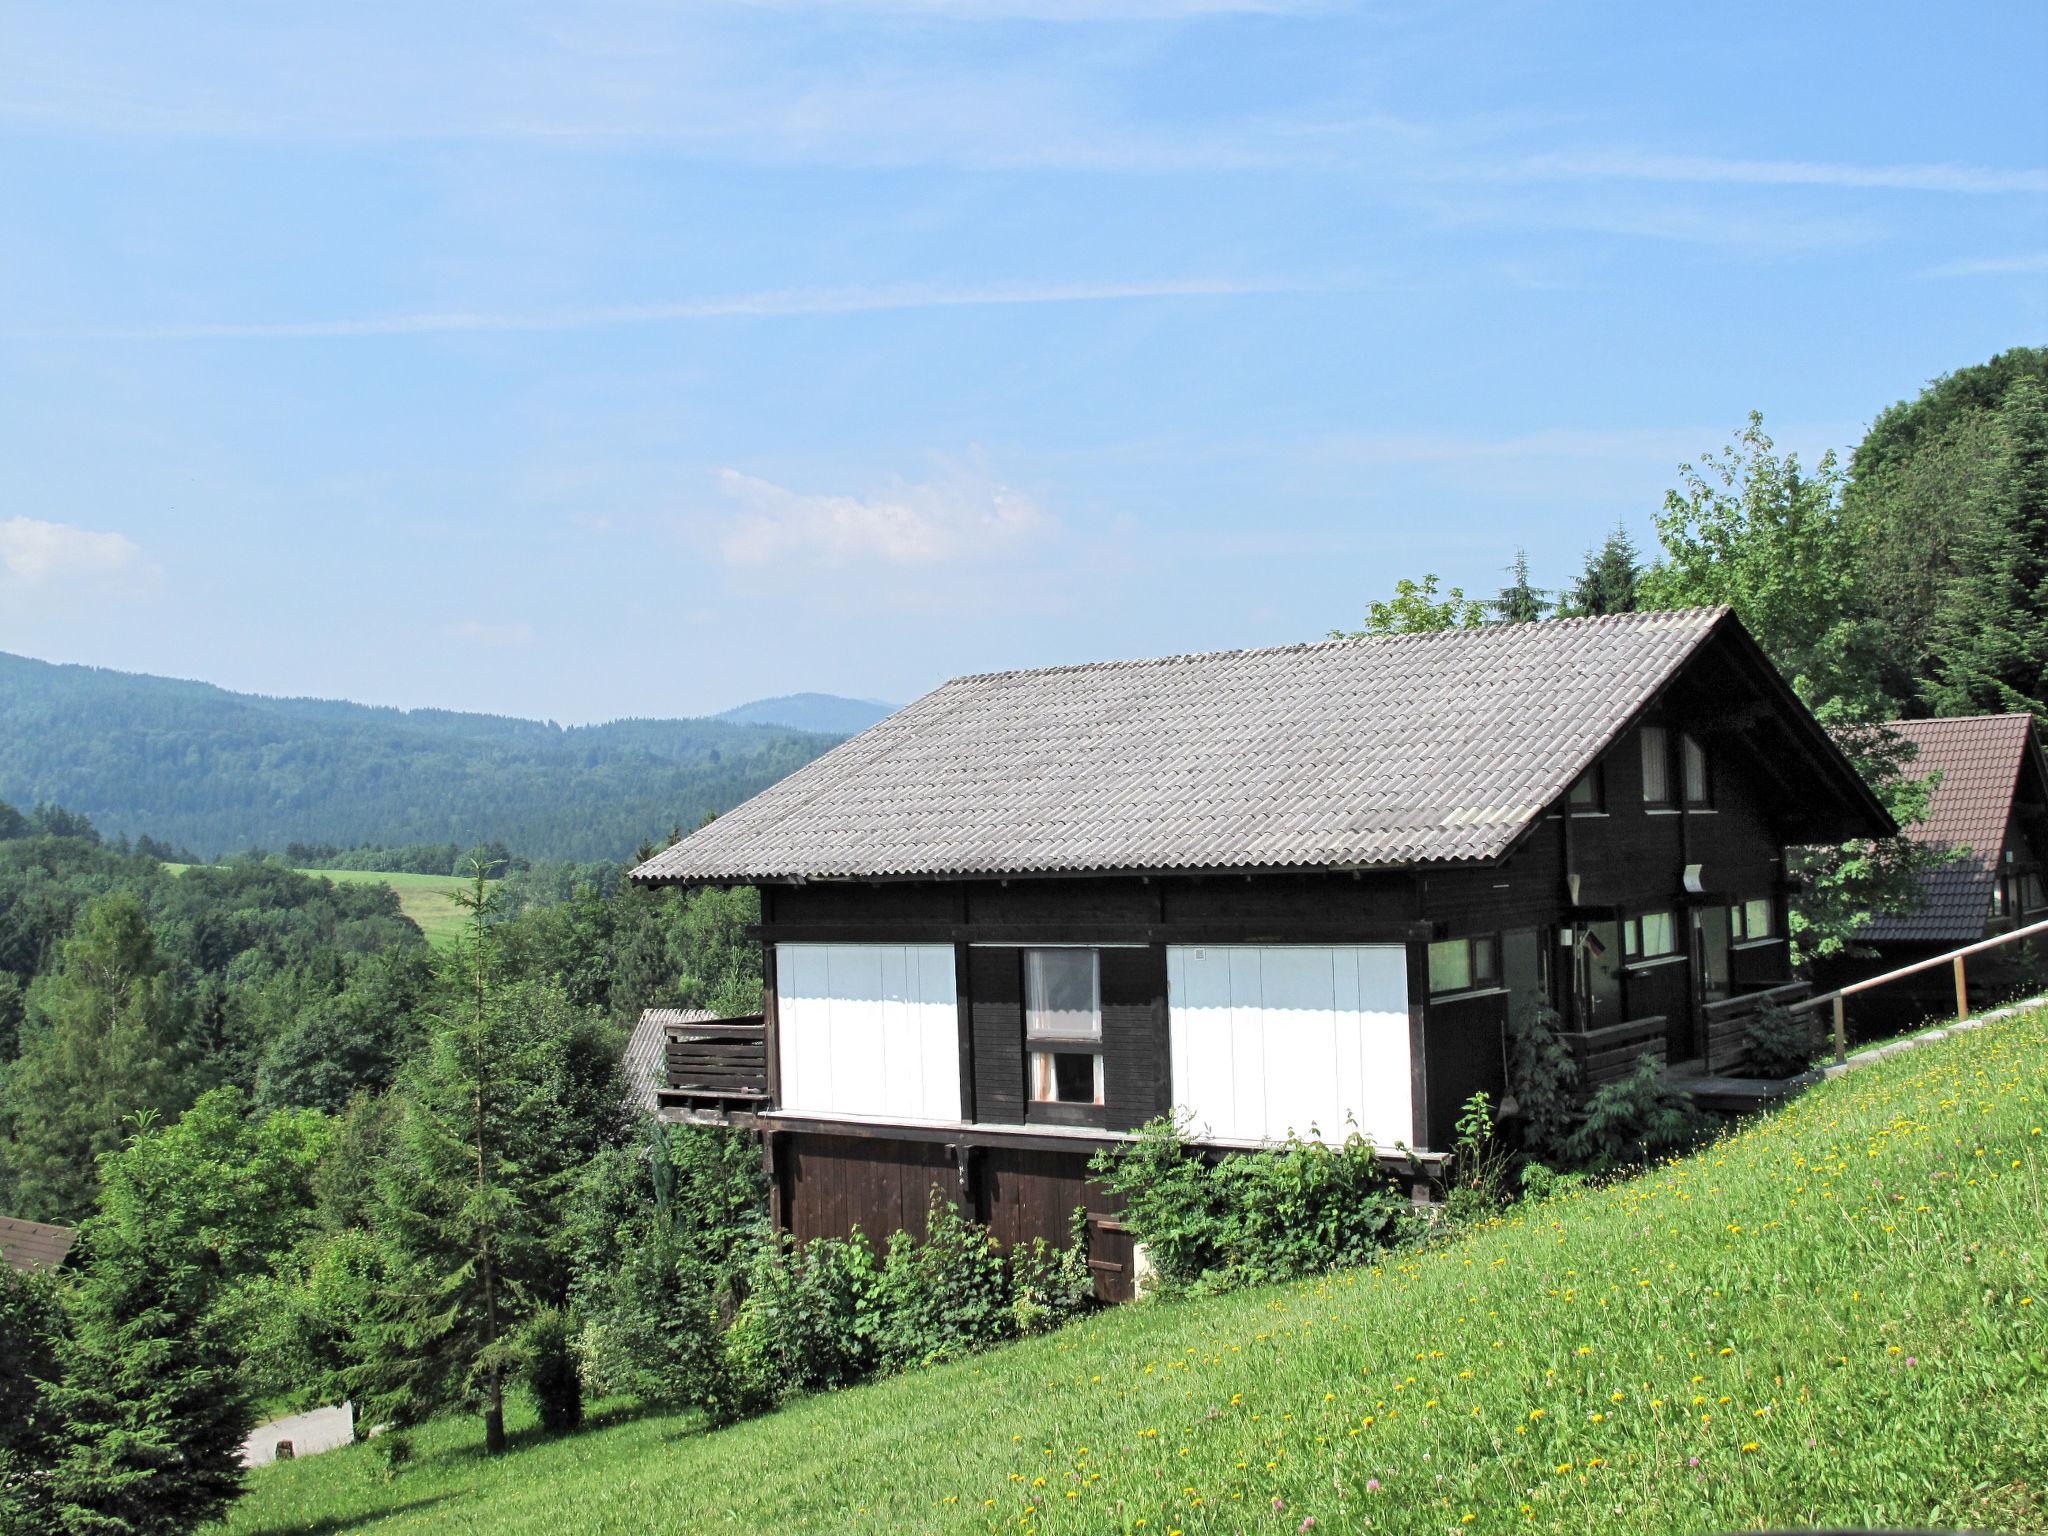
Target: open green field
x=1838, y=1315
x=426, y=899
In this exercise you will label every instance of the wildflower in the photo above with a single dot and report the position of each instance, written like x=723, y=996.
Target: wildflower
x=1278, y=1503
x=1372, y=1485
x=1308, y=1523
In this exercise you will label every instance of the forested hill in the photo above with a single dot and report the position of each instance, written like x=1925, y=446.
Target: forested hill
x=197, y=766
x=826, y=712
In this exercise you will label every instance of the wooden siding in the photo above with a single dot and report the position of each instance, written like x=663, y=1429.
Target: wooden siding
x=830, y=1185
x=1134, y=1047
x=1463, y=1038
x=995, y=1002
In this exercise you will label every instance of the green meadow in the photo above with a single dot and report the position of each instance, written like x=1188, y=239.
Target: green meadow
x=427, y=899
x=1837, y=1315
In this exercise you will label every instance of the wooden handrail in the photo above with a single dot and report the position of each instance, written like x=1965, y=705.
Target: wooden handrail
x=1953, y=957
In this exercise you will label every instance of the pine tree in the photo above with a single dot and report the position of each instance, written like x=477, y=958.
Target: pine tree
x=31, y=1431
x=101, y=1040
x=1519, y=602
x=1991, y=619
x=151, y=1399
x=516, y=1091
x=1608, y=582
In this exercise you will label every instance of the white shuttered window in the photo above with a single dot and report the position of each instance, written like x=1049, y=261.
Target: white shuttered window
x=868, y=1029
x=1272, y=1038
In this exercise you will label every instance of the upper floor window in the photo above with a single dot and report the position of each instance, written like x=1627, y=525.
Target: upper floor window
x=2032, y=895
x=1464, y=965
x=1063, y=1025
x=1649, y=936
x=1585, y=793
x=1699, y=789
x=1656, y=765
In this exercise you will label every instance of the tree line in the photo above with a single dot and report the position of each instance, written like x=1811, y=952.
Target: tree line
x=1913, y=582
x=202, y=768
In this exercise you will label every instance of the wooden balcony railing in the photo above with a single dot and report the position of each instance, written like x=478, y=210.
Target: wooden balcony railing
x=1724, y=1043
x=716, y=1065
x=1612, y=1051
x=1954, y=958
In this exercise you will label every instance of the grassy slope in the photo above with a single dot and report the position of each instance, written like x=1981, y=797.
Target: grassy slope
x=426, y=899
x=1838, y=1315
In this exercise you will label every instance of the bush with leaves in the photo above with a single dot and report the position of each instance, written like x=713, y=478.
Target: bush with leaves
x=1781, y=1043
x=547, y=1347
x=1250, y=1217
x=1543, y=1079
x=1479, y=1165
x=941, y=1297
x=1051, y=1284
x=807, y=1322
x=1633, y=1120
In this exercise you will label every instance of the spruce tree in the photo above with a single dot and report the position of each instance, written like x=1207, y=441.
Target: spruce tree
x=101, y=1039
x=1520, y=602
x=151, y=1396
x=1608, y=582
x=31, y=1431
x=1991, y=618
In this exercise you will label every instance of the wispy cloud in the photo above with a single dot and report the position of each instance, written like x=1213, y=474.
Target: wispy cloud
x=767, y=304
x=1992, y=266
x=1632, y=165
x=963, y=516
x=34, y=553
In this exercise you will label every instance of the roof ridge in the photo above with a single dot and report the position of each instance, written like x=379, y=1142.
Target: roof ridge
x=1342, y=642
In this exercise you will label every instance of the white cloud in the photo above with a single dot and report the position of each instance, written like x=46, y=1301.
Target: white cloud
x=34, y=553
x=1992, y=266
x=766, y=304
x=963, y=516
x=492, y=637
x=1632, y=165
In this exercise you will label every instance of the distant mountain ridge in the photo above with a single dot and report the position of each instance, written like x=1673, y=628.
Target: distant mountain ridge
x=827, y=712
x=198, y=765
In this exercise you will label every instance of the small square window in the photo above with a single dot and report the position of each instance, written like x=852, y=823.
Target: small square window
x=1656, y=765
x=1450, y=966
x=1698, y=788
x=1066, y=1077
x=1658, y=934
x=1756, y=918
x=2032, y=895
x=1486, y=962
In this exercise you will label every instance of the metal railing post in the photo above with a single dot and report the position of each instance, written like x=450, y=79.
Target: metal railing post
x=1841, y=1030
x=1962, y=991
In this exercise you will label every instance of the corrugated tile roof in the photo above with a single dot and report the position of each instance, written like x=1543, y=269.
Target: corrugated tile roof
x=1979, y=759
x=644, y=1065
x=1390, y=751
x=34, y=1244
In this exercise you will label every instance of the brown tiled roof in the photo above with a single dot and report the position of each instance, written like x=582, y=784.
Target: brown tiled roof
x=645, y=1063
x=1979, y=758
x=1391, y=751
x=34, y=1244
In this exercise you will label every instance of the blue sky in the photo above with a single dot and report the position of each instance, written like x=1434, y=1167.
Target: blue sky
x=585, y=361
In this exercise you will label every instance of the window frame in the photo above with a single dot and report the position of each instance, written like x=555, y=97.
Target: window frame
x=1481, y=964
x=1690, y=754
x=1634, y=946
x=1659, y=737
x=1042, y=1044
x=1594, y=783
x=1740, y=929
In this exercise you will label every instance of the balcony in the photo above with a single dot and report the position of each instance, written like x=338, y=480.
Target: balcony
x=709, y=1069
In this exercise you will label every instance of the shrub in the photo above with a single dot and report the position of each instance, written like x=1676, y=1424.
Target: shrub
x=1781, y=1043
x=1250, y=1217
x=804, y=1325
x=1051, y=1285
x=1634, y=1119
x=397, y=1447
x=31, y=1431
x=551, y=1371
x=1542, y=1182
x=1543, y=1079
x=1479, y=1182
x=944, y=1297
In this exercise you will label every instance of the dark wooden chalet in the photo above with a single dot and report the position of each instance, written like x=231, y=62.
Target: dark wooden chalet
x=1990, y=808
x=1279, y=890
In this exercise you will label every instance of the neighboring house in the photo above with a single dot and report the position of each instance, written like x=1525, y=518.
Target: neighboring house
x=34, y=1244
x=1290, y=890
x=1991, y=806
